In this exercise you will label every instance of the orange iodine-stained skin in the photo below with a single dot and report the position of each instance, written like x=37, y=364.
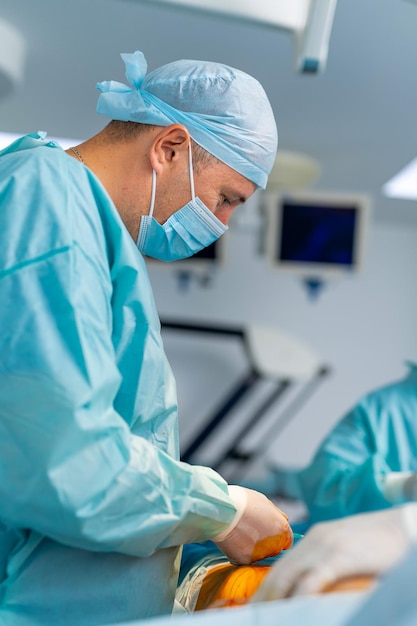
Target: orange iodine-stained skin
x=227, y=585
x=352, y=583
x=230, y=585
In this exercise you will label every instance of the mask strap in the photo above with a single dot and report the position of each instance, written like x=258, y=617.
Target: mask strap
x=153, y=193
x=190, y=164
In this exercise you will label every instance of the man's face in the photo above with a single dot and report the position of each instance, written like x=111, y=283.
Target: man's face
x=217, y=185
x=222, y=189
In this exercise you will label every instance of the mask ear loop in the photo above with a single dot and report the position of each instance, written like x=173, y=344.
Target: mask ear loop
x=191, y=170
x=190, y=165
x=153, y=192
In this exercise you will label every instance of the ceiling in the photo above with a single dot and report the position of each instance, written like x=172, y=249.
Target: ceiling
x=358, y=118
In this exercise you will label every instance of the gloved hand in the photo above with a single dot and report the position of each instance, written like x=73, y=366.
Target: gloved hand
x=360, y=544
x=259, y=529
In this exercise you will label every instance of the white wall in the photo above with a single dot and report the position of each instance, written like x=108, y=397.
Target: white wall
x=363, y=326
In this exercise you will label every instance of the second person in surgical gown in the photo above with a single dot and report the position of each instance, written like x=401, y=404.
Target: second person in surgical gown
x=367, y=462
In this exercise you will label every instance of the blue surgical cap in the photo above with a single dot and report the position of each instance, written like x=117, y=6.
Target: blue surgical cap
x=226, y=111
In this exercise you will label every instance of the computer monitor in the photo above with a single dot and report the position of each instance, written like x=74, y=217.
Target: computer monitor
x=316, y=234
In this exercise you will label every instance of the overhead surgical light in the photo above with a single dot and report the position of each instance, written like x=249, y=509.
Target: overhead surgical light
x=310, y=21
x=292, y=171
x=12, y=58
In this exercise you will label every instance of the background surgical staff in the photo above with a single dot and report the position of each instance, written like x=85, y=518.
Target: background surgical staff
x=95, y=503
x=367, y=462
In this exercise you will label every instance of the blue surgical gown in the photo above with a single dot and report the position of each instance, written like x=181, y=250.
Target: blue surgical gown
x=378, y=436
x=94, y=502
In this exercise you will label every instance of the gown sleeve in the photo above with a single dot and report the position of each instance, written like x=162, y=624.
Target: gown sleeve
x=345, y=474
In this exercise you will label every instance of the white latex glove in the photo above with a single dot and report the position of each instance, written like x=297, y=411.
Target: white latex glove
x=259, y=529
x=368, y=543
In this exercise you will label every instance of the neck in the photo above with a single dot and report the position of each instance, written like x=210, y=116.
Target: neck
x=122, y=169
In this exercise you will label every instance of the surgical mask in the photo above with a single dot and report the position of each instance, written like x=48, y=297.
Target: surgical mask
x=187, y=231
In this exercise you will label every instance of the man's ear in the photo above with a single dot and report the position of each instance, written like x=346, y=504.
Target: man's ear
x=168, y=145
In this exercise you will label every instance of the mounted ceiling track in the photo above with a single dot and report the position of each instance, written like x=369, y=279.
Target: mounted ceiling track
x=309, y=21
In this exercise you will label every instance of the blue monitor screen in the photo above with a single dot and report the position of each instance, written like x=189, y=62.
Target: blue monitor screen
x=316, y=233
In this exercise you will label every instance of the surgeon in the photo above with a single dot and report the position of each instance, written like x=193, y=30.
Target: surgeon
x=366, y=463
x=95, y=503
